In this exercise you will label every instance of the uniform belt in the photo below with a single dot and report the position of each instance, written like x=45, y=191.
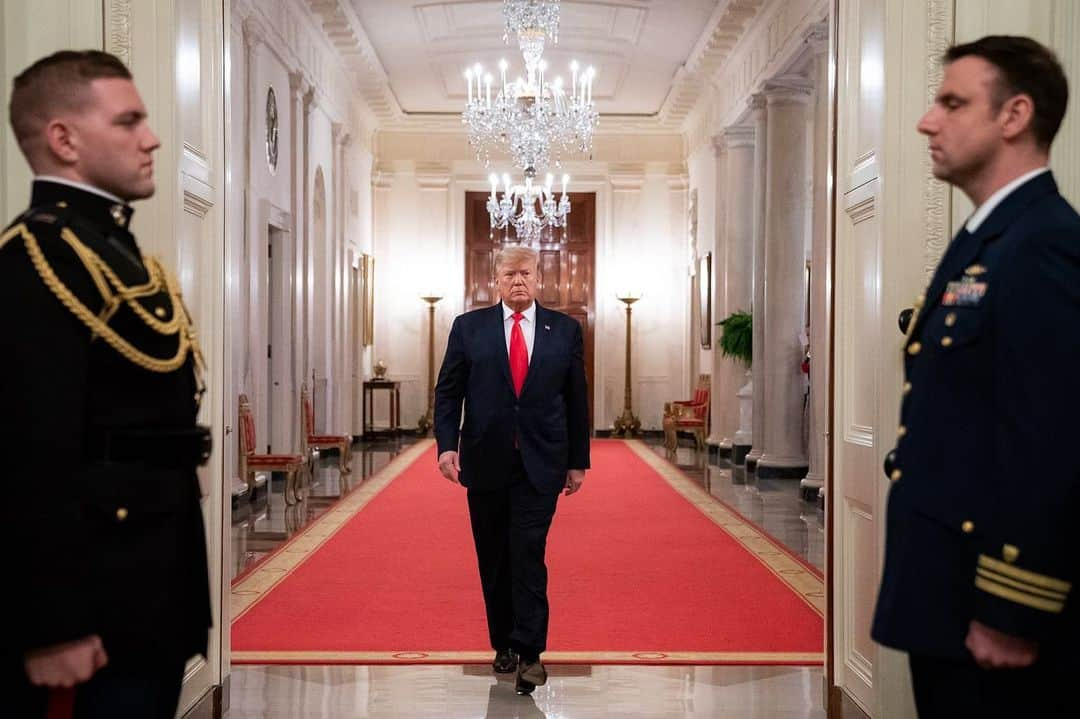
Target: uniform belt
x=165, y=448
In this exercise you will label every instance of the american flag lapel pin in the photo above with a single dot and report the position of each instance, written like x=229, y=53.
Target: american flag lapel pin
x=547, y=327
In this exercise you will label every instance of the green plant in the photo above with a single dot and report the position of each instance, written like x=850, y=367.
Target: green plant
x=737, y=339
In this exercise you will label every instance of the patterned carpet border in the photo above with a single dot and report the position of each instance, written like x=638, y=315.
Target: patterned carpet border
x=791, y=571
x=651, y=658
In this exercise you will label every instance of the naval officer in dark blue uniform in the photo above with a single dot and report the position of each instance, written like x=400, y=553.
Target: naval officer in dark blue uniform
x=983, y=538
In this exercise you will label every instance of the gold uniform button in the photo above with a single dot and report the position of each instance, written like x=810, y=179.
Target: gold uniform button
x=901, y=431
x=914, y=348
x=896, y=474
x=159, y=311
x=1010, y=553
x=968, y=526
x=950, y=319
x=907, y=387
x=946, y=341
x=121, y=514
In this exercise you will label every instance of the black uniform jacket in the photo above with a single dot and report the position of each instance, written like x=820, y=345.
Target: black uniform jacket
x=549, y=422
x=101, y=513
x=983, y=512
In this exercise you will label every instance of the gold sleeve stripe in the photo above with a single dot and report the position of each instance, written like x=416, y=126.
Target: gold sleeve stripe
x=1023, y=575
x=995, y=577
x=1046, y=605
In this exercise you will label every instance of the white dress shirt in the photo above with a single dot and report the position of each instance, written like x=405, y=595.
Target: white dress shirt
x=979, y=215
x=528, y=326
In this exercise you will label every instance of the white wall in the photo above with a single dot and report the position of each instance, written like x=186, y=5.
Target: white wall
x=420, y=184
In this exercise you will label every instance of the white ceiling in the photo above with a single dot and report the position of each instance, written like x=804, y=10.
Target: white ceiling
x=637, y=47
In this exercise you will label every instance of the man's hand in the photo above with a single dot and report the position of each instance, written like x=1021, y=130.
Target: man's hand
x=449, y=467
x=574, y=479
x=996, y=650
x=65, y=665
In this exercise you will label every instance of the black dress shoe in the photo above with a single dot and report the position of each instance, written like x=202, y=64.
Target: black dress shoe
x=506, y=661
x=529, y=676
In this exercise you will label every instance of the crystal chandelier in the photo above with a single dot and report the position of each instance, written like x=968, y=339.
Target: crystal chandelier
x=536, y=121
x=528, y=208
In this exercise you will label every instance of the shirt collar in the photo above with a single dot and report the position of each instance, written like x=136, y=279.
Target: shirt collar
x=82, y=186
x=984, y=210
x=529, y=312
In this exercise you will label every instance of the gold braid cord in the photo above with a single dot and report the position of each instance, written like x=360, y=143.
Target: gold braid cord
x=104, y=277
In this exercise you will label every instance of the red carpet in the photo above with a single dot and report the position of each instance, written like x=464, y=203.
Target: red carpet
x=638, y=574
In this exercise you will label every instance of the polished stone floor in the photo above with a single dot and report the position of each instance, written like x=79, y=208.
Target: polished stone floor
x=572, y=692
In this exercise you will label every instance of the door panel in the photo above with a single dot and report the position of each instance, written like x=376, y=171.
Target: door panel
x=566, y=267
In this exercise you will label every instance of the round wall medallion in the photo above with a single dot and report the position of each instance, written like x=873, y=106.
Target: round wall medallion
x=271, y=129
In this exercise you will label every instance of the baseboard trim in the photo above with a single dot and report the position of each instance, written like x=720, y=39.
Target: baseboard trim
x=208, y=707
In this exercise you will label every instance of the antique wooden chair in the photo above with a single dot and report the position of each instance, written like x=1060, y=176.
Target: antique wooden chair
x=293, y=465
x=690, y=415
x=310, y=441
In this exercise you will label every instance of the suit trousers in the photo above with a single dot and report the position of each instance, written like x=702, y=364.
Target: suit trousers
x=510, y=526
x=951, y=688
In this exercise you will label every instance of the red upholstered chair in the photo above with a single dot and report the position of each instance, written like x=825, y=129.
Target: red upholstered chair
x=689, y=415
x=310, y=441
x=293, y=465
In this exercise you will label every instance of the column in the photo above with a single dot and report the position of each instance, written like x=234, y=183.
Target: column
x=757, y=434
x=737, y=281
x=820, y=270
x=299, y=89
x=719, y=437
x=786, y=178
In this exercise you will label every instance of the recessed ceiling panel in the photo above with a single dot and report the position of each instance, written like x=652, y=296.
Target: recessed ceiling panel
x=636, y=46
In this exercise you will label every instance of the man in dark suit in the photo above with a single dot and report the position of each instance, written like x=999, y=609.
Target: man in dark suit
x=100, y=382
x=982, y=539
x=520, y=371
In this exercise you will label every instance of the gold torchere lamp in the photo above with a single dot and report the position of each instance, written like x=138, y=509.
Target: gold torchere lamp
x=424, y=424
x=627, y=425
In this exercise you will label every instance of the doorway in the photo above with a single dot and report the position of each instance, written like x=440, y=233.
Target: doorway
x=567, y=267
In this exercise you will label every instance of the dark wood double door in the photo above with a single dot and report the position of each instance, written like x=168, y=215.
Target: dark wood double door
x=566, y=272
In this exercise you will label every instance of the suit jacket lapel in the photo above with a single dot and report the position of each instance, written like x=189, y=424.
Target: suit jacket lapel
x=498, y=327
x=963, y=250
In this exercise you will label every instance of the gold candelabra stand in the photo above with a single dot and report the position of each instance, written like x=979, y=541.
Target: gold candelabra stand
x=627, y=425
x=426, y=421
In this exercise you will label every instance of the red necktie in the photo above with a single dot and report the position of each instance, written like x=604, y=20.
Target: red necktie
x=519, y=355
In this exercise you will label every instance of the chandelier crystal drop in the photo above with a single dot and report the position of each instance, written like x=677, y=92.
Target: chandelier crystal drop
x=532, y=21
x=529, y=208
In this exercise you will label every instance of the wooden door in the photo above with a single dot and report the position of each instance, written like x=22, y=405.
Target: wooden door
x=567, y=266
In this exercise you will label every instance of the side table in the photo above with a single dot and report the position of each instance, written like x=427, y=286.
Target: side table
x=394, y=390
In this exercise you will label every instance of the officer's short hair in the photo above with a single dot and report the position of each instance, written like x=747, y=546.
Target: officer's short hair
x=1024, y=67
x=57, y=83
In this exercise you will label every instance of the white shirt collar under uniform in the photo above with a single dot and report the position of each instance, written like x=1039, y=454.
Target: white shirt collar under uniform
x=80, y=186
x=984, y=210
x=528, y=326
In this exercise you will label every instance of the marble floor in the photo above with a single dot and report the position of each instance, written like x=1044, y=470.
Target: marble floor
x=572, y=692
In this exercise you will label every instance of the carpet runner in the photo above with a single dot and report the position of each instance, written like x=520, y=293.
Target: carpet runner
x=645, y=567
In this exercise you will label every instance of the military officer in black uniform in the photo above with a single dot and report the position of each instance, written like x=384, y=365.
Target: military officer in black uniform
x=983, y=537
x=100, y=383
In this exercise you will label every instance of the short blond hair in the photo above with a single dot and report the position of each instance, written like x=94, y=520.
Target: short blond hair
x=516, y=255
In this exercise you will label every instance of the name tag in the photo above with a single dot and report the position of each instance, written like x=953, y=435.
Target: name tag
x=963, y=293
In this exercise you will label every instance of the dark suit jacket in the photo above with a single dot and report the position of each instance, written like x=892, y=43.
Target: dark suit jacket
x=549, y=421
x=80, y=566
x=982, y=519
